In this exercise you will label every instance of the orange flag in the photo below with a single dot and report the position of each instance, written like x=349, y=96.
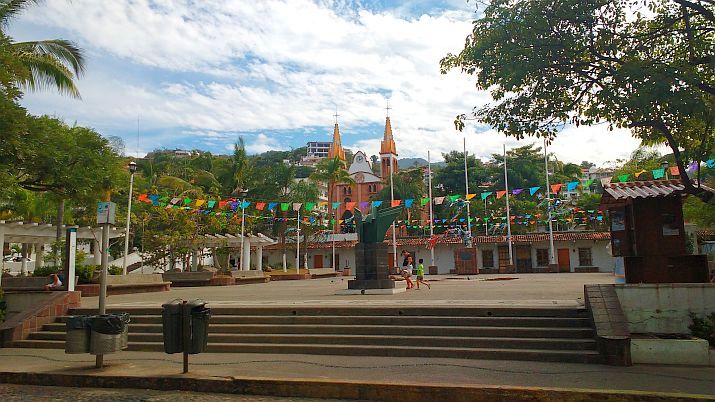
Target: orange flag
x=396, y=203
x=556, y=187
x=350, y=205
x=501, y=193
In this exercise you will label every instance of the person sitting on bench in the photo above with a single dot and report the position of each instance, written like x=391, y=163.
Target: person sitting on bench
x=56, y=283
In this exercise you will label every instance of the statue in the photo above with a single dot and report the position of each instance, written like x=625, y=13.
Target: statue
x=371, y=252
x=373, y=227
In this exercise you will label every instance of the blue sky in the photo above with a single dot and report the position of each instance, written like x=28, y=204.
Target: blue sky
x=186, y=74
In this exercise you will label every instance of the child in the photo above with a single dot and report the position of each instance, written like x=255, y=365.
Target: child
x=407, y=272
x=421, y=275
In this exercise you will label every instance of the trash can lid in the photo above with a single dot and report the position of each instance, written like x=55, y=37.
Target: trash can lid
x=77, y=322
x=196, y=303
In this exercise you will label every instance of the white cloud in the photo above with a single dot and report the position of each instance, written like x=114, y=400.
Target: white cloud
x=277, y=65
x=262, y=143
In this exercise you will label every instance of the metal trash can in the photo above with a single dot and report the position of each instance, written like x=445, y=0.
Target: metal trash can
x=171, y=326
x=124, y=317
x=77, y=338
x=106, y=335
x=200, y=315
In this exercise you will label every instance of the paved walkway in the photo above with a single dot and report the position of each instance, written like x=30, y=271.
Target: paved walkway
x=17, y=393
x=674, y=379
x=514, y=289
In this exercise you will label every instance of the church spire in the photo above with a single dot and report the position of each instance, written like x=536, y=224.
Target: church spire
x=387, y=146
x=336, y=148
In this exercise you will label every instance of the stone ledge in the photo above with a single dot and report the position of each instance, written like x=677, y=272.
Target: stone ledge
x=342, y=389
x=613, y=339
x=19, y=326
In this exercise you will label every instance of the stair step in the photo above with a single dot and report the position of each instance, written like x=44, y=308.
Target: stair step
x=382, y=320
x=580, y=356
x=405, y=341
x=401, y=330
x=455, y=311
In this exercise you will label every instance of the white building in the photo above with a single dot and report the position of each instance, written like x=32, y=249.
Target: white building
x=575, y=252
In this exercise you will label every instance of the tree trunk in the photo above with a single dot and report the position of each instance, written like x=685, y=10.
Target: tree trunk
x=60, y=218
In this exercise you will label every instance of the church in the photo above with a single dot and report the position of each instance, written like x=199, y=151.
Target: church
x=367, y=184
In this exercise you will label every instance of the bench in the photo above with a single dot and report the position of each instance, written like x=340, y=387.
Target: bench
x=179, y=279
x=252, y=276
x=323, y=273
x=29, y=283
x=125, y=284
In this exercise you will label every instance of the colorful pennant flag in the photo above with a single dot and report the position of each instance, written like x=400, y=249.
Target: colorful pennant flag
x=470, y=196
x=694, y=167
x=395, y=203
x=588, y=183
x=533, y=190
x=424, y=201
x=638, y=174
x=272, y=205
x=674, y=171
x=376, y=204
x=211, y=204
x=296, y=206
x=623, y=178
x=438, y=200
x=245, y=204
x=658, y=173
x=350, y=205
x=285, y=206
x=260, y=206
x=517, y=191
x=500, y=194
x=571, y=186
x=485, y=195
x=556, y=187
x=364, y=204
x=309, y=206
x=710, y=163
x=336, y=205
x=187, y=201
x=408, y=202
x=454, y=197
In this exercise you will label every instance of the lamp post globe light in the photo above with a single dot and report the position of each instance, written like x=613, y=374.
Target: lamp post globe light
x=132, y=169
x=664, y=166
x=243, y=193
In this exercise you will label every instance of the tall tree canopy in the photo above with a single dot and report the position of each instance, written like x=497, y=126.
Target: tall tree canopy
x=644, y=65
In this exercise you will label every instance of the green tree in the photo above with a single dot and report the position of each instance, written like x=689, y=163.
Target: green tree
x=38, y=64
x=550, y=63
x=332, y=171
x=450, y=177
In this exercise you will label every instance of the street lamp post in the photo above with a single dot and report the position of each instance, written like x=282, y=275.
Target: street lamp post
x=132, y=169
x=664, y=166
x=243, y=194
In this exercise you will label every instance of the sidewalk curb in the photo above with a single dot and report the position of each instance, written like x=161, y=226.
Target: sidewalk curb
x=310, y=388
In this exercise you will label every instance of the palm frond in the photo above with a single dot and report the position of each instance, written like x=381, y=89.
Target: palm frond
x=62, y=50
x=10, y=9
x=46, y=71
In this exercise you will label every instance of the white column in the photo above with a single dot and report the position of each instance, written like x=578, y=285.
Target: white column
x=97, y=252
x=39, y=255
x=246, y=257
x=259, y=257
x=194, y=260
x=23, y=255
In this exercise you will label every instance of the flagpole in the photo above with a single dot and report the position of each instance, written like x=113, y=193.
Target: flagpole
x=552, y=256
x=392, y=198
x=486, y=222
x=508, y=216
x=297, y=245
x=431, y=218
x=466, y=188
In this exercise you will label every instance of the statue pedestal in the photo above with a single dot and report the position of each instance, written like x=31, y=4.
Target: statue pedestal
x=372, y=271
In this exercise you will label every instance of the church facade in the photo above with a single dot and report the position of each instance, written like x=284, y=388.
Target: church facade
x=367, y=183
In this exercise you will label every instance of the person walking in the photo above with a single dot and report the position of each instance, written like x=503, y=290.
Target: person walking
x=420, y=273
x=407, y=272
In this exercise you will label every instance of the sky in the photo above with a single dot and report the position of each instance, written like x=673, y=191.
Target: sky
x=200, y=74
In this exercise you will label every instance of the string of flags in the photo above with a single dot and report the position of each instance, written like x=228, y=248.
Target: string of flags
x=213, y=206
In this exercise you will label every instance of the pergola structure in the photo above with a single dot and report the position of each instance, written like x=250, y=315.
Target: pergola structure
x=228, y=240
x=39, y=234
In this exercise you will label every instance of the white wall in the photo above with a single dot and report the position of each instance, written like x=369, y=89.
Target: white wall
x=664, y=308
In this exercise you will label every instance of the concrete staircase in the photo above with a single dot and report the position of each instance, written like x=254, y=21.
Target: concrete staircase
x=535, y=334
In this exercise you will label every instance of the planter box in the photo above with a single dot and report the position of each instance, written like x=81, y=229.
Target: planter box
x=653, y=350
x=347, y=271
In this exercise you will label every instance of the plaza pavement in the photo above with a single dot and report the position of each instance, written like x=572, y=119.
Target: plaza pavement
x=359, y=377
x=509, y=289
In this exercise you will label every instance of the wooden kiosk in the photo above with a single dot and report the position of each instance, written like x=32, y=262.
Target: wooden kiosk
x=648, y=233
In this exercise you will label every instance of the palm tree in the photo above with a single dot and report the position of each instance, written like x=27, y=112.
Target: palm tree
x=331, y=171
x=240, y=167
x=39, y=64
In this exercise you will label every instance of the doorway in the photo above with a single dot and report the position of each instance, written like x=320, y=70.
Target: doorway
x=564, y=260
x=318, y=261
x=523, y=259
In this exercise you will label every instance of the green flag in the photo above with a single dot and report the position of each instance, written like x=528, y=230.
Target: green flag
x=623, y=178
